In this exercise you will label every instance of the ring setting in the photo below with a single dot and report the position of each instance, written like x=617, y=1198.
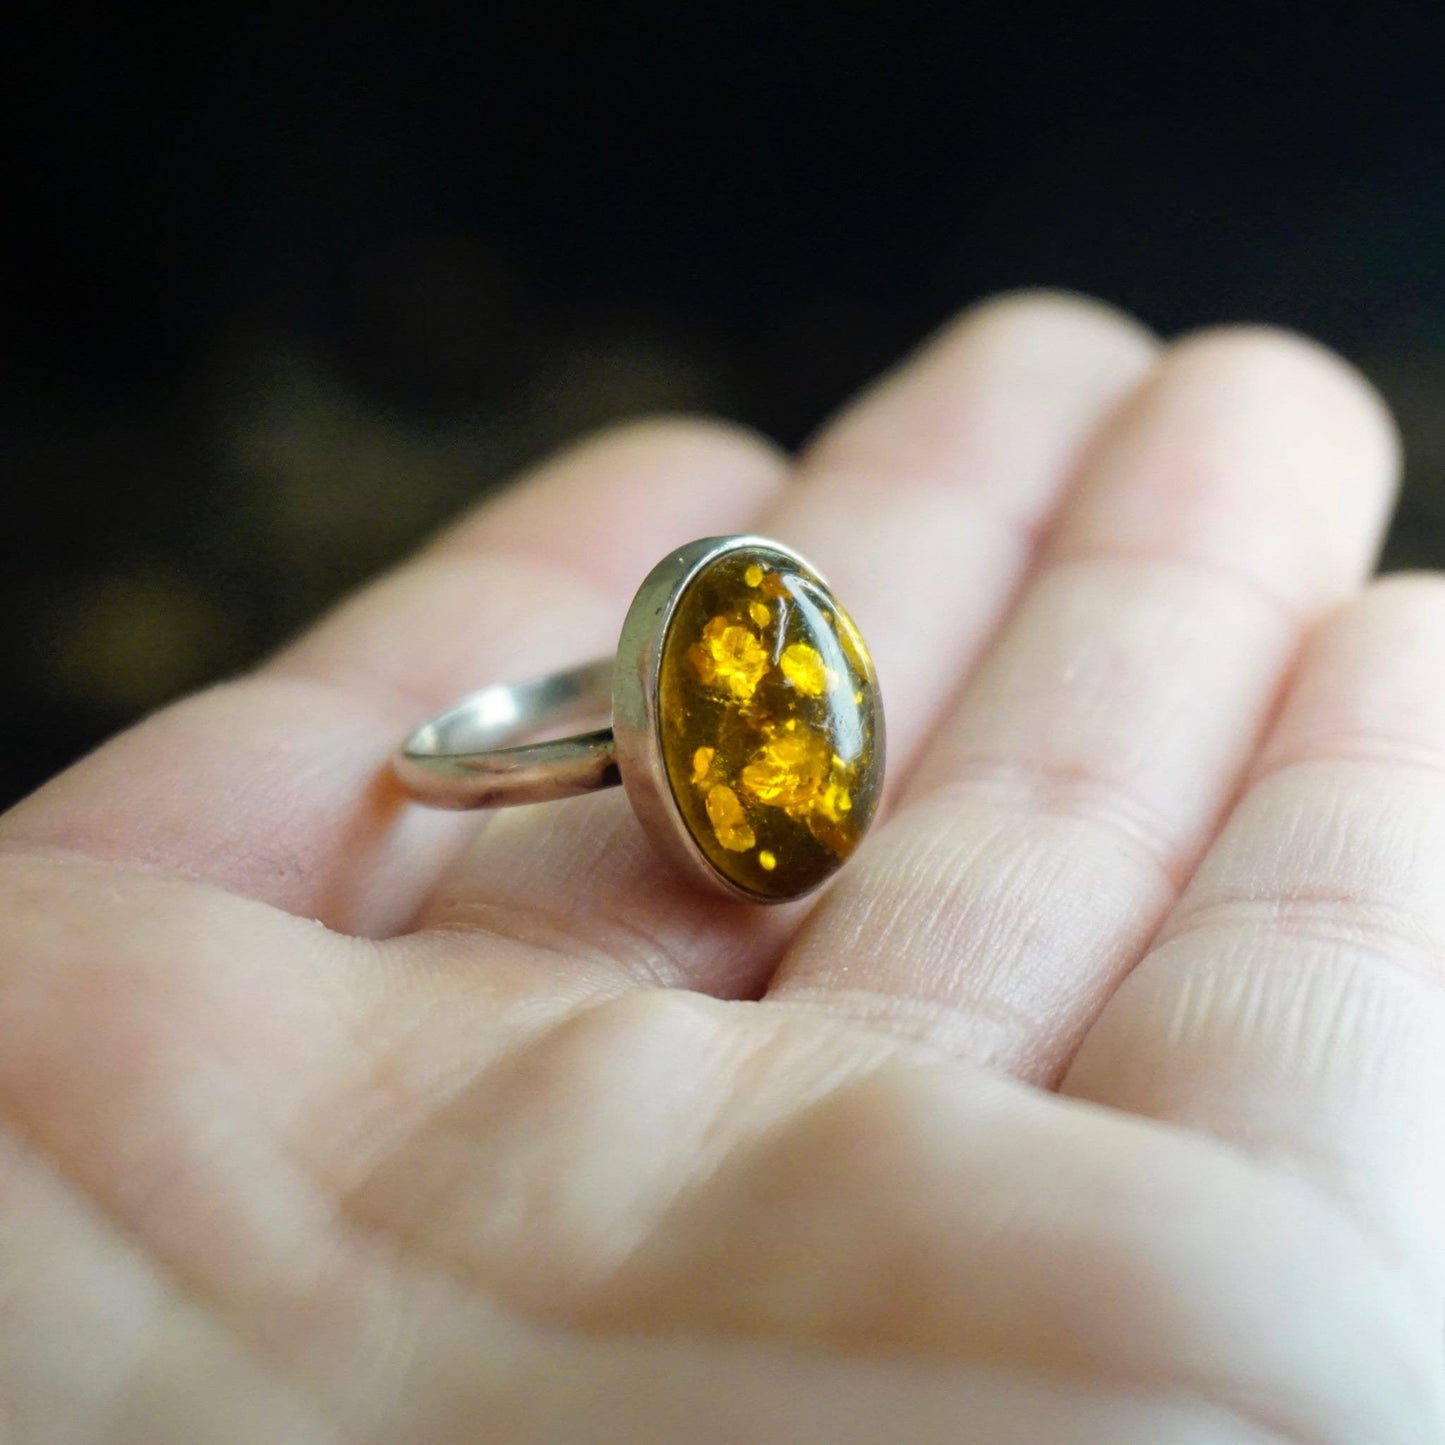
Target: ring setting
x=747, y=726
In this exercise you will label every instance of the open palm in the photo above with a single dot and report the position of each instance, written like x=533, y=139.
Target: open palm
x=1101, y=1099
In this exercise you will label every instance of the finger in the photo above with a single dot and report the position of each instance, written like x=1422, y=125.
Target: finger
x=923, y=501
x=1068, y=792
x=1293, y=1001
x=920, y=504
x=276, y=786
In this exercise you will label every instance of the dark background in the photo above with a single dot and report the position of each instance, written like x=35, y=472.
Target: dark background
x=291, y=287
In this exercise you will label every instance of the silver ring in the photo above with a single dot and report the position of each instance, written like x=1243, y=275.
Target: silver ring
x=747, y=727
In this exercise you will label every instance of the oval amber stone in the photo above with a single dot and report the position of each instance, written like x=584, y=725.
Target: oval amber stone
x=770, y=723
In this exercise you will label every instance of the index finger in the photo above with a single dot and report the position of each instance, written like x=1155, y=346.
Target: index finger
x=275, y=785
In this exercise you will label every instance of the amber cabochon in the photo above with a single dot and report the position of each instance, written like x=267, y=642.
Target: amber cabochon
x=770, y=724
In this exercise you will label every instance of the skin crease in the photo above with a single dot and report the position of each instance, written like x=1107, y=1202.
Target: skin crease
x=1096, y=1101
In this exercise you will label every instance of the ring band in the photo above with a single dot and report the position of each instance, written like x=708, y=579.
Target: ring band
x=460, y=759
x=747, y=726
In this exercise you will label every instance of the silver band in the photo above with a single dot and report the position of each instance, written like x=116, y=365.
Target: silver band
x=460, y=759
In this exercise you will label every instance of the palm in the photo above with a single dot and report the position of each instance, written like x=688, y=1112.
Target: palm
x=533, y=1166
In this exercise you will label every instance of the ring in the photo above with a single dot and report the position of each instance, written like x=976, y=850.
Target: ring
x=747, y=726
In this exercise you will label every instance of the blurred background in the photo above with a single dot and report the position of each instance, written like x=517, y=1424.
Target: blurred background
x=292, y=286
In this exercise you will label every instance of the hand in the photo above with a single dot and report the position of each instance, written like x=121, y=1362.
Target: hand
x=1101, y=1100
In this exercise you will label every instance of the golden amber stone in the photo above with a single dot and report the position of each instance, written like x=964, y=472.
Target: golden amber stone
x=770, y=721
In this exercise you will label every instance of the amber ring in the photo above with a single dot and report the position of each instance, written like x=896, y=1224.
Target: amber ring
x=746, y=726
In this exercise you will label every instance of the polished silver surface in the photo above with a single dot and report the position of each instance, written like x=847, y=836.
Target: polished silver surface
x=460, y=759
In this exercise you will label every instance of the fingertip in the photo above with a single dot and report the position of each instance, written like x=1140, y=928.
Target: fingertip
x=1247, y=447
x=1289, y=366
x=1417, y=593
x=1060, y=313
x=673, y=477
x=676, y=438
x=1006, y=390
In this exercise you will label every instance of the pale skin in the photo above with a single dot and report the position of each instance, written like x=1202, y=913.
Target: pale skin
x=1100, y=1100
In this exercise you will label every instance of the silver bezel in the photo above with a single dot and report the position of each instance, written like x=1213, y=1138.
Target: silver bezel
x=636, y=723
